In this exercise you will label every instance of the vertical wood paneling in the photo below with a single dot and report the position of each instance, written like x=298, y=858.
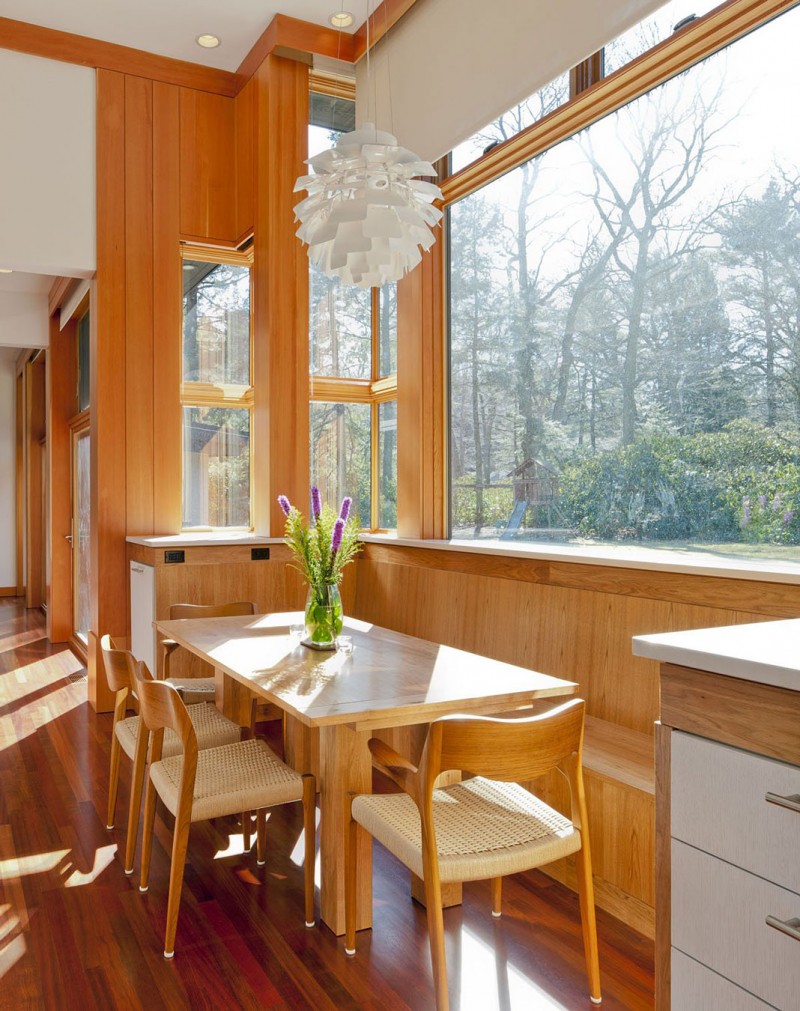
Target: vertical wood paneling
x=421, y=411
x=20, y=478
x=61, y=399
x=34, y=497
x=208, y=166
x=245, y=159
x=167, y=288
x=139, y=445
x=109, y=611
x=280, y=361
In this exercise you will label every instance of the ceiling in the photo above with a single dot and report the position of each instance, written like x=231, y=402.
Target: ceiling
x=170, y=27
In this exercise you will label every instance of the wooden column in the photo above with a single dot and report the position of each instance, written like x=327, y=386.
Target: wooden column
x=61, y=406
x=280, y=345
x=422, y=399
x=107, y=383
x=168, y=317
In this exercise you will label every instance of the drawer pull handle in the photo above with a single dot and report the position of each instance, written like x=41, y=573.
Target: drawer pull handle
x=790, y=927
x=792, y=802
x=137, y=568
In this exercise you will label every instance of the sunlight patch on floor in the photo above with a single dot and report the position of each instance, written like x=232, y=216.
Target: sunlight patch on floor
x=103, y=858
x=490, y=983
x=34, y=863
x=12, y=941
x=31, y=716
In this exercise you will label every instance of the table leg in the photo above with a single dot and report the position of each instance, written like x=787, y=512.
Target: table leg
x=345, y=766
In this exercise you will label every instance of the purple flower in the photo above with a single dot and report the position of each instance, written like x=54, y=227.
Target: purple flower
x=316, y=502
x=788, y=516
x=776, y=503
x=762, y=501
x=344, y=512
x=285, y=504
x=336, y=539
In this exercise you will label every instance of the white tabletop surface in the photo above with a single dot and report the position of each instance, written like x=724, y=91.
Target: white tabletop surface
x=200, y=539
x=767, y=651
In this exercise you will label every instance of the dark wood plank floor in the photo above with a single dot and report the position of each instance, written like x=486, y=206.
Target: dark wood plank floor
x=75, y=932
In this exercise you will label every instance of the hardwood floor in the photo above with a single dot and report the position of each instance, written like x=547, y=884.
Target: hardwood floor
x=76, y=933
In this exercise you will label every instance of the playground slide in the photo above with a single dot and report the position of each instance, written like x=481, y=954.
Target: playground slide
x=516, y=518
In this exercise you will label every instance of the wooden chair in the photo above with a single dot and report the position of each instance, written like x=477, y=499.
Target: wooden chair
x=484, y=827
x=197, y=785
x=198, y=689
x=211, y=727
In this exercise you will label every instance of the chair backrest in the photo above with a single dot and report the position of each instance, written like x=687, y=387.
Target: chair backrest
x=234, y=609
x=160, y=708
x=119, y=665
x=510, y=750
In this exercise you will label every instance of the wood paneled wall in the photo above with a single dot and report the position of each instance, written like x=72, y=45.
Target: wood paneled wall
x=167, y=170
x=61, y=399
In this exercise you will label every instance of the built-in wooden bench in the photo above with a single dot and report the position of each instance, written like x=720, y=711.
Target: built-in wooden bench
x=619, y=754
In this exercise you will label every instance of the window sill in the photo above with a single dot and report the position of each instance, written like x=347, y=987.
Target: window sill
x=623, y=556
x=205, y=538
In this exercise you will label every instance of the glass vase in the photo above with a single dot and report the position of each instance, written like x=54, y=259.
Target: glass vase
x=323, y=616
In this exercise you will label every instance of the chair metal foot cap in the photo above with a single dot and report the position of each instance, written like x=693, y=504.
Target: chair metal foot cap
x=143, y=890
x=169, y=954
x=596, y=1000
x=349, y=951
x=261, y=863
x=313, y=923
x=109, y=827
x=128, y=872
x=496, y=915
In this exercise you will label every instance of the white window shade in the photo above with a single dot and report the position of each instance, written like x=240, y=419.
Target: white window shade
x=450, y=67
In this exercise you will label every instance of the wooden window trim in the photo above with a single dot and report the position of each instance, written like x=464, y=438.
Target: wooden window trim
x=323, y=83
x=228, y=395
x=685, y=48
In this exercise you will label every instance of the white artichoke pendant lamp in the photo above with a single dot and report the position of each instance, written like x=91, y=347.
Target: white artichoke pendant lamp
x=366, y=216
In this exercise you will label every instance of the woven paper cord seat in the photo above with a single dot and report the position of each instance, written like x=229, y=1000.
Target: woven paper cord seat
x=239, y=777
x=212, y=728
x=194, y=690
x=484, y=829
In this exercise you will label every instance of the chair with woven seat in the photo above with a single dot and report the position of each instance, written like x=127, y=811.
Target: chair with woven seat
x=484, y=827
x=212, y=730
x=198, y=689
x=198, y=785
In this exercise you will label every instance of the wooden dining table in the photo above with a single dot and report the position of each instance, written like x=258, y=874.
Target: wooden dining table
x=333, y=702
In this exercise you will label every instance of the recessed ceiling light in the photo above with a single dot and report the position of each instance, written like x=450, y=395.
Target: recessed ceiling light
x=208, y=41
x=6, y=270
x=341, y=19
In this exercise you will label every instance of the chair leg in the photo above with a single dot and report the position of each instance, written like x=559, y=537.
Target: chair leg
x=137, y=781
x=310, y=836
x=261, y=835
x=350, y=884
x=180, y=843
x=588, y=922
x=433, y=903
x=113, y=779
x=497, y=897
x=246, y=826
x=147, y=833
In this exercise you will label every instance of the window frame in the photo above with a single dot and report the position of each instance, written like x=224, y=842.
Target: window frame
x=377, y=389
x=194, y=394
x=591, y=99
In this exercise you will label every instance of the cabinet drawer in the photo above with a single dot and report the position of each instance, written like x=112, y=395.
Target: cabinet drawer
x=718, y=918
x=696, y=988
x=718, y=804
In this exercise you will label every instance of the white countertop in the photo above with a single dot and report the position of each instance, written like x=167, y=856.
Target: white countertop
x=767, y=651
x=203, y=540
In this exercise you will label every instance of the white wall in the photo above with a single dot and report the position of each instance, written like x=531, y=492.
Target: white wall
x=23, y=318
x=8, y=535
x=47, y=166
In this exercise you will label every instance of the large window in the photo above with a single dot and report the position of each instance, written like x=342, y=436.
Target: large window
x=353, y=365
x=216, y=392
x=625, y=323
